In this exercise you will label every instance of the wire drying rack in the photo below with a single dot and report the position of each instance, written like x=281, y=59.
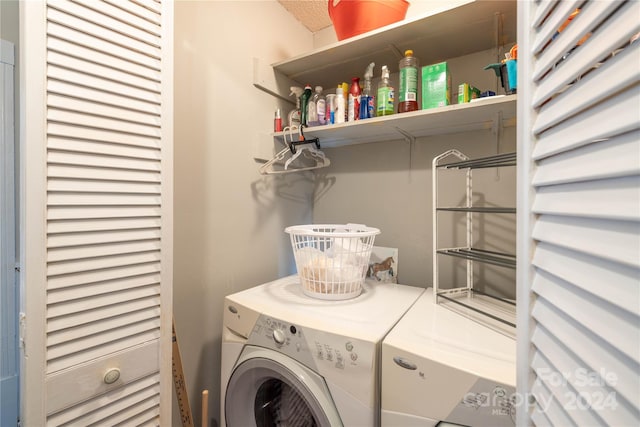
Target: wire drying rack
x=492, y=311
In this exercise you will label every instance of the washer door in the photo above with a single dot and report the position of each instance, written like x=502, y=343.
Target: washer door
x=268, y=389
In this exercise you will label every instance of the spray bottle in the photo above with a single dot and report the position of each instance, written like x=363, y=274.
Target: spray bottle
x=353, y=101
x=367, y=103
x=385, y=99
x=294, y=115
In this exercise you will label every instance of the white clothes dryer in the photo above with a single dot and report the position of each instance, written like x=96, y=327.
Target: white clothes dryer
x=289, y=359
x=439, y=367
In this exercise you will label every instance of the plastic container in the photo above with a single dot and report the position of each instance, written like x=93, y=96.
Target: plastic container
x=277, y=121
x=367, y=102
x=340, y=105
x=331, y=108
x=408, y=92
x=314, y=107
x=294, y=115
x=321, y=106
x=385, y=97
x=304, y=102
x=353, y=109
x=332, y=259
x=353, y=17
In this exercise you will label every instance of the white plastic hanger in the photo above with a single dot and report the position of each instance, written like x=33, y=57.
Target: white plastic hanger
x=278, y=164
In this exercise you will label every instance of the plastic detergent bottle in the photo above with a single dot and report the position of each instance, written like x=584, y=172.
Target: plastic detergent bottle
x=367, y=105
x=330, y=116
x=408, y=94
x=321, y=105
x=353, y=109
x=293, y=119
x=304, y=102
x=345, y=94
x=385, y=95
x=340, y=105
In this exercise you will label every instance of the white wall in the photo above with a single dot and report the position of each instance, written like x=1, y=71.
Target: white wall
x=388, y=185
x=229, y=220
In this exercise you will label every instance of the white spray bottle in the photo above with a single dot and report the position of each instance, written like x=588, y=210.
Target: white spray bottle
x=294, y=115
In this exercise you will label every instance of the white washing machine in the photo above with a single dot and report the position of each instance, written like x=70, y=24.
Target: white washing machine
x=441, y=367
x=289, y=359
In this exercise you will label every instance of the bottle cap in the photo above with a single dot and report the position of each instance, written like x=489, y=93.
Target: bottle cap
x=277, y=113
x=408, y=52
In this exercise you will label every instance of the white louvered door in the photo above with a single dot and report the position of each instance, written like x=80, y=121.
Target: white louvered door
x=579, y=214
x=96, y=176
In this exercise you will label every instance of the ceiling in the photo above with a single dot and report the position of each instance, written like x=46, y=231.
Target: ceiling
x=313, y=14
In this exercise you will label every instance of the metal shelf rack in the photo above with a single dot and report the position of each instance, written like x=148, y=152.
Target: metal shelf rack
x=492, y=311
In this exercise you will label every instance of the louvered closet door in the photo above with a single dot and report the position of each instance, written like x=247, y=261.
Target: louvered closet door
x=579, y=207
x=98, y=201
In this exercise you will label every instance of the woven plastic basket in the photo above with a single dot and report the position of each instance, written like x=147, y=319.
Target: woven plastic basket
x=332, y=260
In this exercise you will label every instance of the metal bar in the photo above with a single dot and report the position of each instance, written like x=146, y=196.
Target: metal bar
x=503, y=260
x=505, y=159
x=504, y=300
x=477, y=310
x=480, y=210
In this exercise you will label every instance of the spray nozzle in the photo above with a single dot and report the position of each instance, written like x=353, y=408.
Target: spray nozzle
x=297, y=91
x=385, y=72
x=368, y=74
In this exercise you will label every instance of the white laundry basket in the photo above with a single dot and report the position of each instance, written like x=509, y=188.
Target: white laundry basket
x=332, y=259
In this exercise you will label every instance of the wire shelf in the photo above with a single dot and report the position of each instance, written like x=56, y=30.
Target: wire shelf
x=496, y=313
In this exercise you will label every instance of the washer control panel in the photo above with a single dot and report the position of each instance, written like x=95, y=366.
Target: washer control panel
x=319, y=350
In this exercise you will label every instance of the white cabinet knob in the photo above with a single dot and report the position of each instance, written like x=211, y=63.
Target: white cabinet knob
x=111, y=376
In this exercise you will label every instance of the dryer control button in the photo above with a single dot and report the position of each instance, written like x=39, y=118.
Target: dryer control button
x=278, y=336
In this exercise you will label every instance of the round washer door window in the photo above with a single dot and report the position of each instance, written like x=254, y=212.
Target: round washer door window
x=264, y=392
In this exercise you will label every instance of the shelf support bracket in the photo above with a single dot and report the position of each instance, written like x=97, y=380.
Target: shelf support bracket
x=411, y=140
x=407, y=136
x=270, y=81
x=496, y=130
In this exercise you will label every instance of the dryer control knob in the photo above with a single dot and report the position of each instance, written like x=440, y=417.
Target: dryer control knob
x=278, y=336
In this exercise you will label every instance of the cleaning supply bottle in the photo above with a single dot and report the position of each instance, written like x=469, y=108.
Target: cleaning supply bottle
x=385, y=97
x=340, y=105
x=330, y=116
x=345, y=94
x=353, y=109
x=408, y=94
x=304, y=102
x=321, y=104
x=293, y=119
x=312, y=110
x=277, y=122
x=367, y=104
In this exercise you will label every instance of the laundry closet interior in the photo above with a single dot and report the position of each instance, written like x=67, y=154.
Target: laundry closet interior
x=381, y=172
x=143, y=131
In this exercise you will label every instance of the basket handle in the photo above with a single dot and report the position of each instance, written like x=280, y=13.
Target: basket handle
x=354, y=225
x=332, y=5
